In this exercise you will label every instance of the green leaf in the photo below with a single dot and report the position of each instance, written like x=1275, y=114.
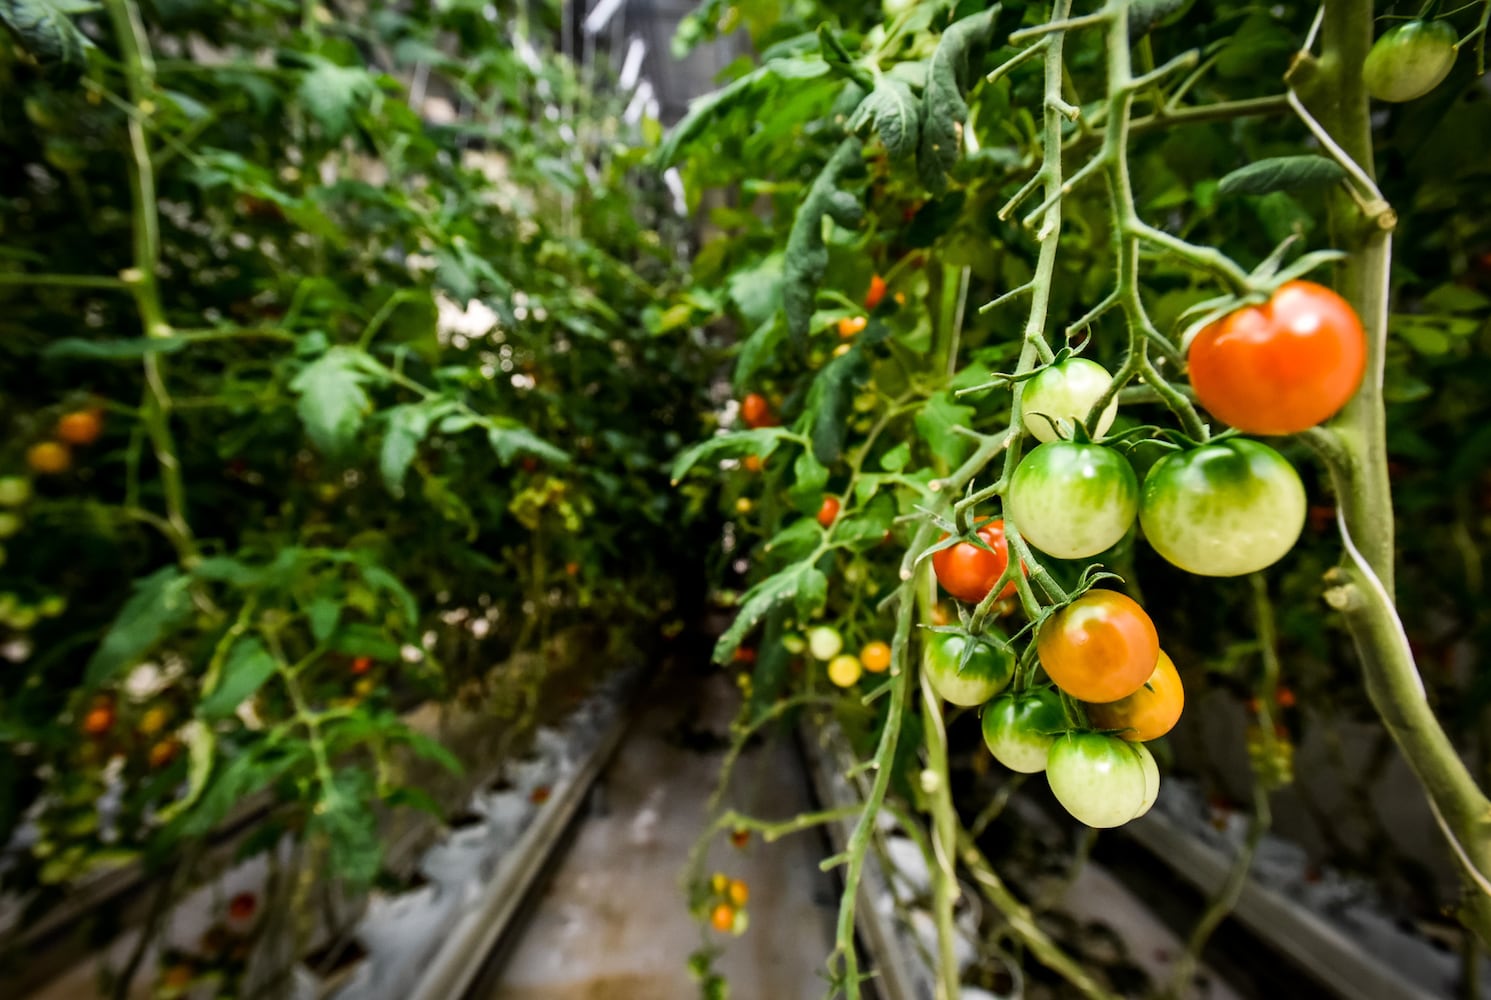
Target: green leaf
x=828, y=403
x=761, y=442
x=895, y=460
x=943, y=108
x=246, y=669
x=936, y=422
x=407, y=426
x=752, y=88
x=201, y=746
x=360, y=639
x=1146, y=15
x=774, y=590
x=509, y=438
x=796, y=541
x=807, y=253
x=158, y=604
x=323, y=614
x=345, y=818
x=332, y=401
x=380, y=578
x=892, y=110
x=44, y=29
x=331, y=93
x=1282, y=173
x=757, y=290
x=758, y=349
x=112, y=350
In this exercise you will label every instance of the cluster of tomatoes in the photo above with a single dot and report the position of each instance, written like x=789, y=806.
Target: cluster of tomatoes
x=53, y=456
x=1223, y=507
x=725, y=904
x=826, y=644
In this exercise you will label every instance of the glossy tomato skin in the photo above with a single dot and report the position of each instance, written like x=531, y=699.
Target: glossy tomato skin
x=1020, y=728
x=1284, y=366
x=1148, y=713
x=987, y=672
x=1100, y=648
x=1224, y=509
x=969, y=572
x=1100, y=780
x=1073, y=500
x=1065, y=393
x=1410, y=60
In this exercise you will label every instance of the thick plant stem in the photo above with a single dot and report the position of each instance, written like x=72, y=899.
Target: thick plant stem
x=139, y=69
x=1358, y=462
x=937, y=786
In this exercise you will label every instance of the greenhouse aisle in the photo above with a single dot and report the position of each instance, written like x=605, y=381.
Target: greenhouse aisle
x=613, y=922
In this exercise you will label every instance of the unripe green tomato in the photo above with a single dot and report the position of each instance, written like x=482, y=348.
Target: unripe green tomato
x=865, y=402
x=1410, y=60
x=794, y=643
x=825, y=642
x=1020, y=728
x=10, y=524
x=14, y=491
x=854, y=572
x=1065, y=393
x=1101, y=780
x=1073, y=500
x=52, y=606
x=1151, y=778
x=985, y=673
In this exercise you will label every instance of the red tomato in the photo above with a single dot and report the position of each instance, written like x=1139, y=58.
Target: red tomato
x=242, y=906
x=969, y=572
x=1284, y=366
x=1100, y=648
x=829, y=512
x=876, y=292
x=362, y=665
x=1149, y=712
x=756, y=411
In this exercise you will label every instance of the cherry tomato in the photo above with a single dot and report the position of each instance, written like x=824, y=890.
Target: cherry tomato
x=876, y=292
x=740, y=838
x=1073, y=500
x=875, y=657
x=1099, y=648
x=850, y=325
x=163, y=753
x=1101, y=780
x=985, y=673
x=80, y=427
x=242, y=906
x=1223, y=509
x=828, y=513
x=1284, y=366
x=48, y=458
x=1020, y=728
x=99, y=718
x=14, y=491
x=744, y=654
x=756, y=411
x=969, y=572
x=1149, y=712
x=361, y=665
x=1410, y=60
x=154, y=720
x=752, y=463
x=1065, y=393
x=844, y=670
x=744, y=505
x=825, y=642
x=739, y=892
x=722, y=917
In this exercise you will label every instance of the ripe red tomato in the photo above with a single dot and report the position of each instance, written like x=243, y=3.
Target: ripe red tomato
x=80, y=427
x=829, y=512
x=876, y=293
x=1149, y=712
x=1100, y=648
x=756, y=411
x=969, y=572
x=361, y=665
x=99, y=718
x=1284, y=366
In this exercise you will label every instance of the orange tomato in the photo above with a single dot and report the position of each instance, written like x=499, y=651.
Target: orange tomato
x=80, y=426
x=850, y=325
x=739, y=892
x=1284, y=366
x=361, y=665
x=752, y=463
x=876, y=292
x=99, y=719
x=756, y=411
x=722, y=917
x=163, y=753
x=875, y=657
x=1100, y=648
x=48, y=458
x=828, y=513
x=969, y=572
x=1149, y=712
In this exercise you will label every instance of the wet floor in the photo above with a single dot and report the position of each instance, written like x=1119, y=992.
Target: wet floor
x=614, y=924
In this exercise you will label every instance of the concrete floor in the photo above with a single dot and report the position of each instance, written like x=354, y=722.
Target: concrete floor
x=614, y=922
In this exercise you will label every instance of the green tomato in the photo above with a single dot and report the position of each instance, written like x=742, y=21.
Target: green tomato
x=1073, y=500
x=14, y=491
x=51, y=607
x=1065, y=393
x=794, y=643
x=985, y=672
x=1223, y=509
x=1020, y=728
x=1410, y=60
x=825, y=642
x=1101, y=780
x=1151, y=778
x=10, y=524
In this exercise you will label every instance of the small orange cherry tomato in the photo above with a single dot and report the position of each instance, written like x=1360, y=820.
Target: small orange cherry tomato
x=875, y=657
x=80, y=427
x=828, y=513
x=850, y=325
x=752, y=463
x=362, y=665
x=722, y=918
x=739, y=892
x=756, y=411
x=48, y=458
x=1149, y=712
x=876, y=292
x=1099, y=648
x=969, y=572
